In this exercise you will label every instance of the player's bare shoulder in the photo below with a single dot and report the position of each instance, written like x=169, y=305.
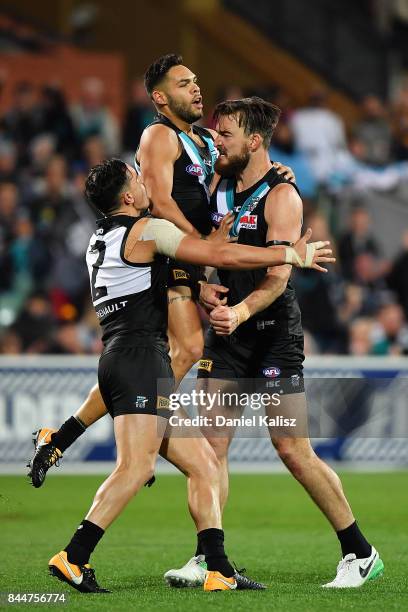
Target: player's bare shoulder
x=159, y=139
x=283, y=197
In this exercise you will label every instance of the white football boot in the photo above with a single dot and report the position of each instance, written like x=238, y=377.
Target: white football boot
x=353, y=572
x=192, y=574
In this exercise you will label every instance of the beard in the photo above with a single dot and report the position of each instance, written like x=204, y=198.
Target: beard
x=184, y=111
x=234, y=164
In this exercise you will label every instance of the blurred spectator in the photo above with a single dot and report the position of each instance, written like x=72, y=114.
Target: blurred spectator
x=283, y=150
x=66, y=340
x=401, y=124
x=24, y=120
x=320, y=135
x=397, y=278
x=57, y=120
x=360, y=337
x=8, y=162
x=356, y=240
x=92, y=118
x=35, y=323
x=139, y=114
x=318, y=296
x=373, y=132
x=390, y=334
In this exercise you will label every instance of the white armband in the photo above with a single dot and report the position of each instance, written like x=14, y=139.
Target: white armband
x=165, y=234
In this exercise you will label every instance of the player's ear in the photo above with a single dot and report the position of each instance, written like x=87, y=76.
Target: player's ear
x=128, y=198
x=159, y=97
x=255, y=142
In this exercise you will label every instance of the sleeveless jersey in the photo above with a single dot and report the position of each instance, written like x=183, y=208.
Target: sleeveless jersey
x=193, y=173
x=130, y=299
x=282, y=317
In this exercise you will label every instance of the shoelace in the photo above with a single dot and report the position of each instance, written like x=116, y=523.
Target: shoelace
x=49, y=456
x=343, y=567
x=239, y=571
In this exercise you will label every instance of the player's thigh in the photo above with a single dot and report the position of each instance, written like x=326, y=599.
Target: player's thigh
x=219, y=408
x=185, y=327
x=138, y=438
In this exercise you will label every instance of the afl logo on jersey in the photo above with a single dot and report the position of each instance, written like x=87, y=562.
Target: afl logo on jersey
x=217, y=217
x=272, y=372
x=195, y=170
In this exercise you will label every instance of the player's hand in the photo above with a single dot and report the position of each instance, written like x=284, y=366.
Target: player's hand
x=224, y=320
x=211, y=295
x=285, y=171
x=222, y=233
x=309, y=255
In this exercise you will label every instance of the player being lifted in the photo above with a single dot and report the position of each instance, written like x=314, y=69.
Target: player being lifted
x=127, y=266
x=259, y=335
x=177, y=160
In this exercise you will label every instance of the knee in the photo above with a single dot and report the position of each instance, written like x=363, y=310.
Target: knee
x=295, y=456
x=220, y=448
x=190, y=353
x=135, y=474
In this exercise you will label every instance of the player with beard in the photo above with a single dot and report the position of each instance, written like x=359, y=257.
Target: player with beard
x=127, y=264
x=176, y=159
x=259, y=337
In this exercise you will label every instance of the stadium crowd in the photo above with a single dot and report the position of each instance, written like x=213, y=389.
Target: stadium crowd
x=46, y=149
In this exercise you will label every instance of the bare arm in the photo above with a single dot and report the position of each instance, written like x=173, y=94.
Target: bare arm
x=283, y=215
x=159, y=149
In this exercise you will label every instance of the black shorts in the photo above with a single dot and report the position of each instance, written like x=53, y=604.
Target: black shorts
x=128, y=380
x=271, y=362
x=185, y=275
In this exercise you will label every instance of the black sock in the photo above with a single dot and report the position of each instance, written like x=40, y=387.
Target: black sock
x=211, y=542
x=68, y=433
x=83, y=542
x=353, y=541
x=199, y=550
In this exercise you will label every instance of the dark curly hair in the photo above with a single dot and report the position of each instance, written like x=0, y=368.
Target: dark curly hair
x=104, y=183
x=158, y=70
x=255, y=115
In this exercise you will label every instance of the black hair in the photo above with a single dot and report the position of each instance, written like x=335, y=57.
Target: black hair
x=104, y=183
x=158, y=70
x=255, y=115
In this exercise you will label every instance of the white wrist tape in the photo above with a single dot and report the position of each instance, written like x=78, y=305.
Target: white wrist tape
x=242, y=312
x=291, y=256
x=165, y=234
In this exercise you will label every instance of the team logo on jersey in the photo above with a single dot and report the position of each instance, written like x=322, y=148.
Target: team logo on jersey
x=195, y=170
x=163, y=403
x=272, y=372
x=99, y=231
x=141, y=401
x=217, y=217
x=249, y=222
x=205, y=364
x=180, y=275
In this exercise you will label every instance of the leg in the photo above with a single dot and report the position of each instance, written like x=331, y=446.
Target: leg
x=49, y=445
x=138, y=444
x=219, y=437
x=195, y=458
x=185, y=331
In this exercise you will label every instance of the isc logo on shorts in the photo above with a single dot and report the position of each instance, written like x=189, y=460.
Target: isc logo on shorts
x=180, y=274
x=163, y=403
x=272, y=372
x=195, y=170
x=249, y=222
x=205, y=364
x=141, y=401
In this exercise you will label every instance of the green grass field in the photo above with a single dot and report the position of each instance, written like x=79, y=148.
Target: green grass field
x=272, y=528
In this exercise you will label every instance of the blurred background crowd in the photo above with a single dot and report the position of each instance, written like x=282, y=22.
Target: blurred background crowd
x=353, y=179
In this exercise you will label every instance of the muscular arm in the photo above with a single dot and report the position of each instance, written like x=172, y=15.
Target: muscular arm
x=159, y=149
x=283, y=215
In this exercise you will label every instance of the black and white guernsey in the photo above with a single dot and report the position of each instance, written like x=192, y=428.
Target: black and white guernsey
x=130, y=299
